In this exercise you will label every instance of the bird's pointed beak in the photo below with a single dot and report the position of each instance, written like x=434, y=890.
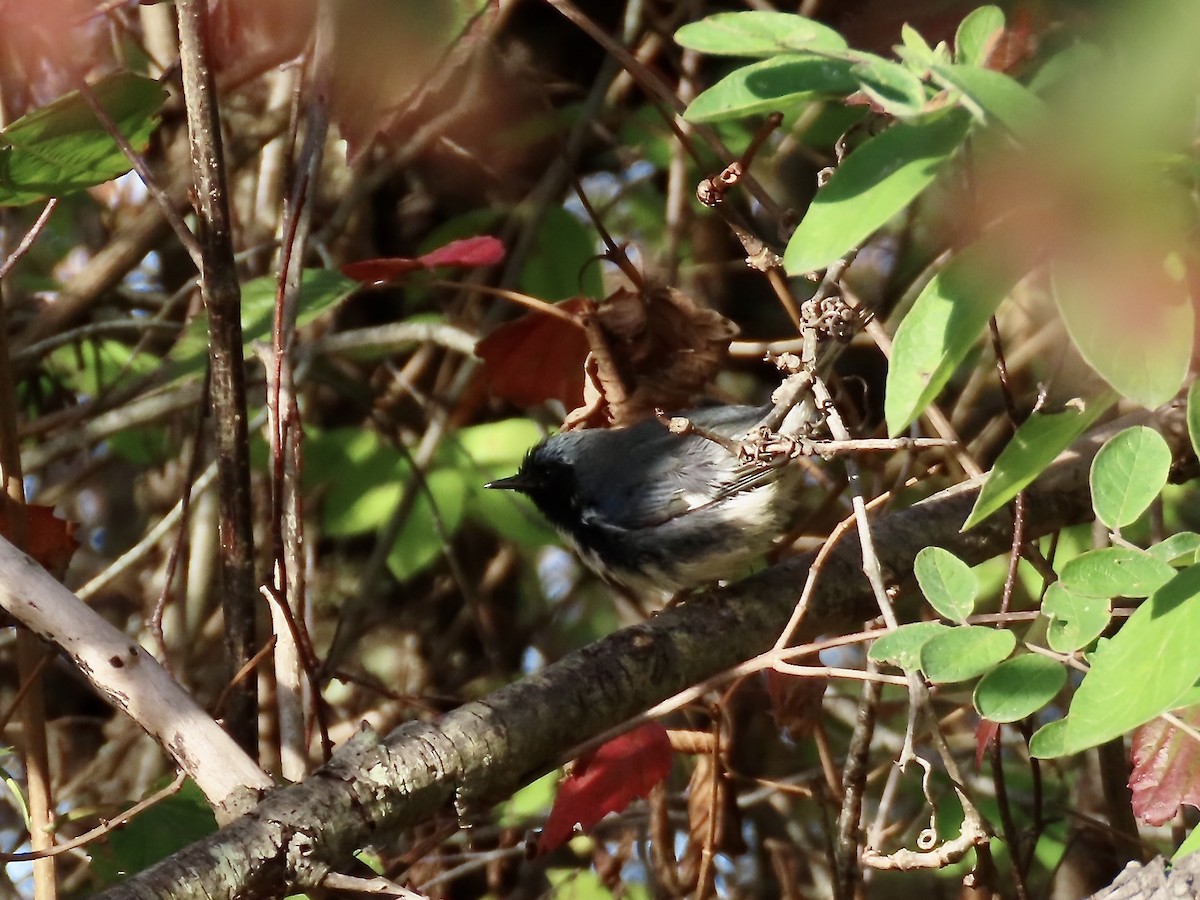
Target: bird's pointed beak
x=516, y=482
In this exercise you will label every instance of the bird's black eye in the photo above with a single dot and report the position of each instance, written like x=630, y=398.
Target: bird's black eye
x=551, y=484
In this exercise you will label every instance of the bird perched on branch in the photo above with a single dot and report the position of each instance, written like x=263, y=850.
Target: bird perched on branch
x=652, y=509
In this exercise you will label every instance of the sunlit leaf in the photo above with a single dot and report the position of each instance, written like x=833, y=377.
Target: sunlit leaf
x=1127, y=474
x=776, y=84
x=994, y=97
x=432, y=522
x=1035, y=445
x=1142, y=671
x=757, y=33
x=943, y=325
x=947, y=582
x=976, y=34
x=1115, y=572
x=873, y=183
x=965, y=652
x=1075, y=620
x=1019, y=687
x=1179, y=547
x=902, y=647
x=1135, y=328
x=62, y=147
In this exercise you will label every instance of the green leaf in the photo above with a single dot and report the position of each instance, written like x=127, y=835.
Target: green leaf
x=96, y=365
x=1049, y=741
x=363, y=479
x=902, y=647
x=1193, y=415
x=62, y=147
x=947, y=583
x=562, y=262
x=1035, y=445
x=1115, y=572
x=943, y=325
x=14, y=790
x=1179, y=547
x=493, y=450
x=1019, y=687
x=1139, y=340
x=992, y=96
x=1075, y=620
x=915, y=50
x=1190, y=845
x=964, y=652
x=320, y=290
x=773, y=84
x=757, y=33
x=1127, y=474
x=873, y=184
x=497, y=448
x=164, y=828
x=529, y=803
x=362, y=482
x=891, y=86
x=420, y=542
x=1141, y=672
x=976, y=35
x=143, y=447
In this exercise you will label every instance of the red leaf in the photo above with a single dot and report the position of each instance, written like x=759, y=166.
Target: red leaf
x=51, y=540
x=607, y=781
x=984, y=735
x=536, y=358
x=466, y=253
x=380, y=271
x=1166, y=768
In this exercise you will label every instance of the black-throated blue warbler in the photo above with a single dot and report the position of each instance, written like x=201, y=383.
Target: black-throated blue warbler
x=655, y=510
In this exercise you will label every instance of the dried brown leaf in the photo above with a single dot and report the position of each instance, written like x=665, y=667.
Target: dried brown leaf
x=652, y=350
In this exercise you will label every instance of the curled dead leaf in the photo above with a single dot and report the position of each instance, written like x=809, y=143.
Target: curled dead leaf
x=651, y=350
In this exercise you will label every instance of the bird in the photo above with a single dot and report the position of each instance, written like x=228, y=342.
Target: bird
x=657, y=511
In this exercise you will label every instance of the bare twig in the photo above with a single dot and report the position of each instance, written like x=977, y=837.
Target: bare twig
x=29, y=237
x=848, y=871
x=105, y=827
x=170, y=213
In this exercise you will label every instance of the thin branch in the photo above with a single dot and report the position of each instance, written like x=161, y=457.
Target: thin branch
x=847, y=868
x=105, y=827
x=170, y=213
x=29, y=237
x=222, y=298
